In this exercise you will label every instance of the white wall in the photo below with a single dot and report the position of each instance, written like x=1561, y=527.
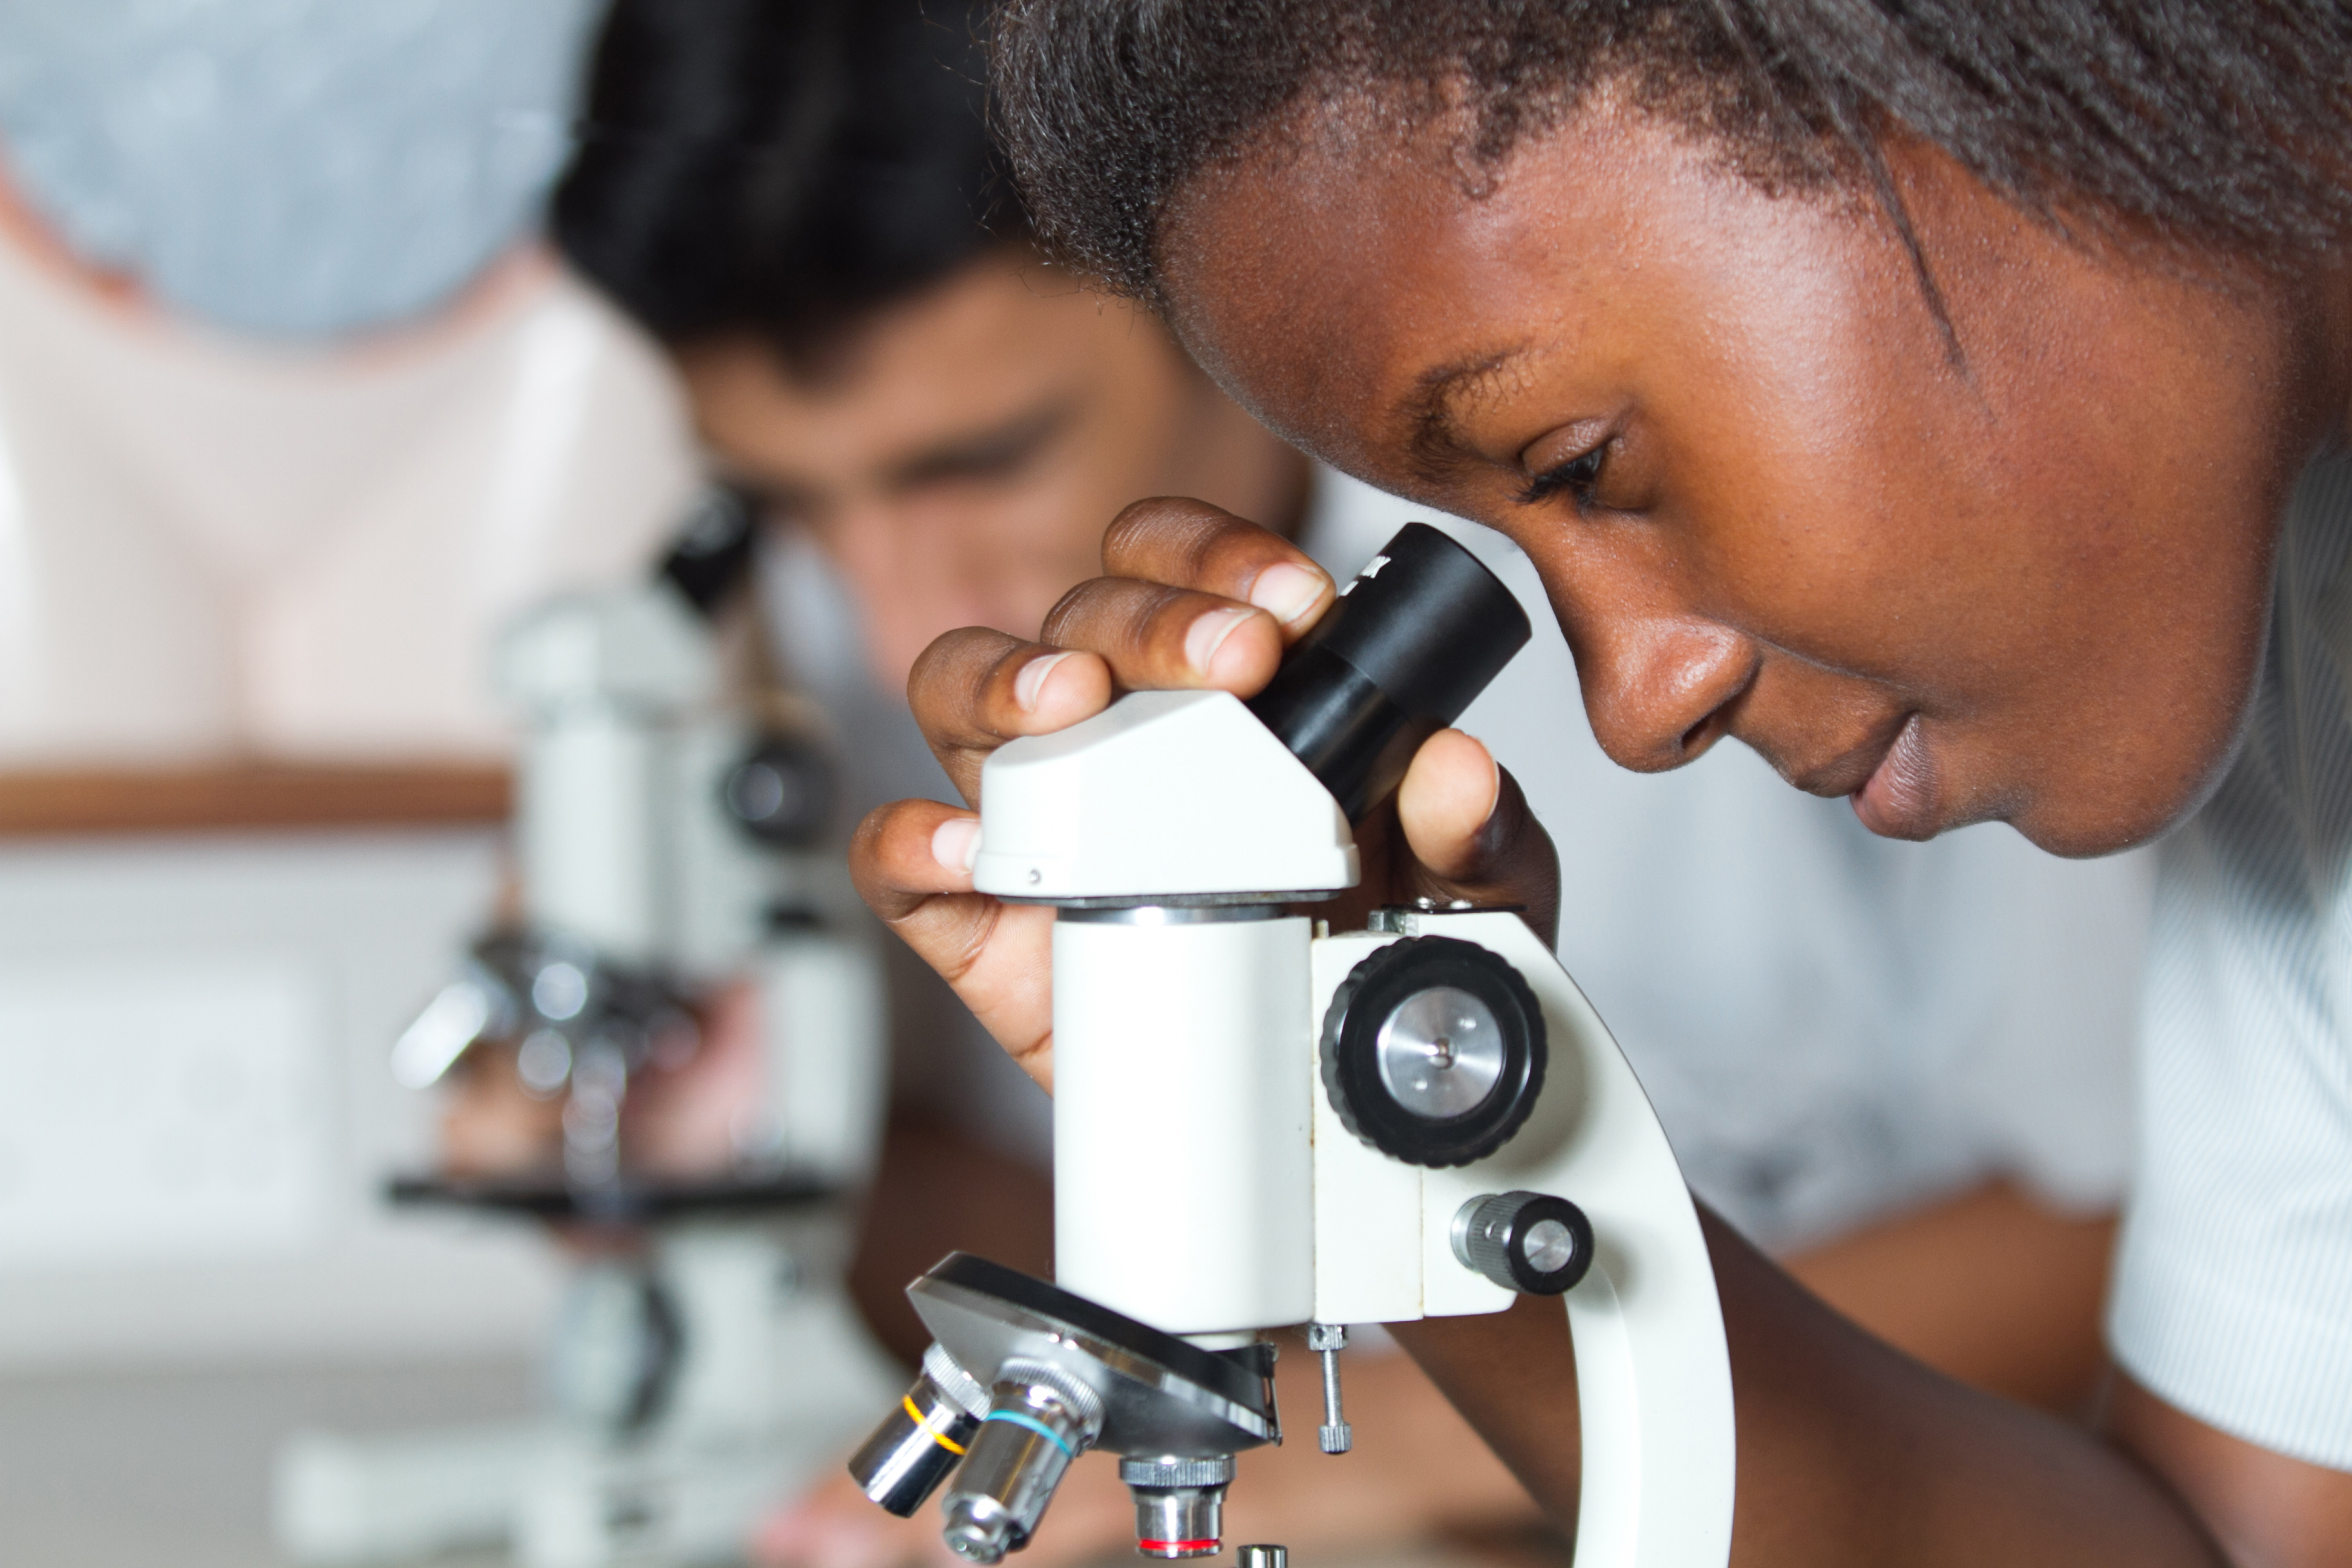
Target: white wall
x=196, y=1116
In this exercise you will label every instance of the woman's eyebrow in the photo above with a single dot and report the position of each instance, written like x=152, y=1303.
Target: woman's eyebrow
x=1430, y=410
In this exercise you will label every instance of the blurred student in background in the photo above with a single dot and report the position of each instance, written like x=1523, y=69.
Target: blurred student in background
x=1902, y=1066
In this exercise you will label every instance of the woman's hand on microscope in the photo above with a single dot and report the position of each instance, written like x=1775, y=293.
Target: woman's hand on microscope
x=1191, y=597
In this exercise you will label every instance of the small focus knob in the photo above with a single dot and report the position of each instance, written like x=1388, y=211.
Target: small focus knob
x=1524, y=1241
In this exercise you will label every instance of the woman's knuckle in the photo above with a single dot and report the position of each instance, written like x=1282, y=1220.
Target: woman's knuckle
x=1162, y=616
x=1168, y=533
x=1067, y=615
x=1139, y=524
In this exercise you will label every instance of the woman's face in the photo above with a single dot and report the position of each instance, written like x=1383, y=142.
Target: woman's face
x=1764, y=499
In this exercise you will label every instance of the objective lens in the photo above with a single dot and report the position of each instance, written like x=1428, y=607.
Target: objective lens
x=1038, y=1422
x=1179, y=1504
x=914, y=1450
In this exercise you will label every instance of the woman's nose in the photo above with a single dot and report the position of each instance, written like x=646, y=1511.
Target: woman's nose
x=1659, y=690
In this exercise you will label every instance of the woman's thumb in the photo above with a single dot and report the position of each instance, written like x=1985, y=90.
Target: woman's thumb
x=1472, y=834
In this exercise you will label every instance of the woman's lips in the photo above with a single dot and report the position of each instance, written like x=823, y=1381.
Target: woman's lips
x=1898, y=799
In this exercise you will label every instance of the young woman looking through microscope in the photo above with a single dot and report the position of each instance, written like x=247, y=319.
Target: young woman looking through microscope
x=939, y=427
x=1945, y=401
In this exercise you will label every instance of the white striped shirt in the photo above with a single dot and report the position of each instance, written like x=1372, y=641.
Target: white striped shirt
x=2233, y=1291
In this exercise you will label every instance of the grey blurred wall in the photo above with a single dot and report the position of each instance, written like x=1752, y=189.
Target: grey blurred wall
x=195, y=1115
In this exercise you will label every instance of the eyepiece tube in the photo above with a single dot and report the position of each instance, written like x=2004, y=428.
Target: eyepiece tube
x=1412, y=642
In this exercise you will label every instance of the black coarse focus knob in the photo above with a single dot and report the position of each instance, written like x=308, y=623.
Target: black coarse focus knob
x=1433, y=1051
x=1412, y=642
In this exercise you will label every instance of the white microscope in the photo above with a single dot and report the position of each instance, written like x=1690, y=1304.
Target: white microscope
x=1259, y=1122
x=670, y=838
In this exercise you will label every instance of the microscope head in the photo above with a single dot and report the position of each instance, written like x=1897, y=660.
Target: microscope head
x=1262, y=1122
x=1196, y=796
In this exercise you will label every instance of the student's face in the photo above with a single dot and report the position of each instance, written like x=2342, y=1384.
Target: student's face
x=958, y=457
x=2033, y=589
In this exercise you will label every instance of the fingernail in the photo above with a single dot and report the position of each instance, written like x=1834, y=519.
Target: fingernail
x=1285, y=592
x=1208, y=634
x=955, y=843
x=1032, y=679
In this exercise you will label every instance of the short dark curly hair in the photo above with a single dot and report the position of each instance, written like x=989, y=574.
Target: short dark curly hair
x=782, y=168
x=2214, y=125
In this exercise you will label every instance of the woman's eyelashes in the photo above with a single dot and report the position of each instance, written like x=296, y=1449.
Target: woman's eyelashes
x=1577, y=477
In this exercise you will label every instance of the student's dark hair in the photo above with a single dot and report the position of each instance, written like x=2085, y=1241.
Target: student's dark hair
x=2214, y=125
x=780, y=167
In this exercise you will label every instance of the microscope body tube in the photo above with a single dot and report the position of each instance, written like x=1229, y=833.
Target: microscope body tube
x=1184, y=1189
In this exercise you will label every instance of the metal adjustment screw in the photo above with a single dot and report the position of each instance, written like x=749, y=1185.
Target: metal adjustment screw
x=1326, y=1341
x=1524, y=1241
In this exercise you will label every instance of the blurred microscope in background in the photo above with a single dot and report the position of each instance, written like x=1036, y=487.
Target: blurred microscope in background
x=674, y=1054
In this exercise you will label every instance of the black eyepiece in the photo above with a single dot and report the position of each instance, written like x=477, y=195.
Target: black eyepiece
x=1412, y=642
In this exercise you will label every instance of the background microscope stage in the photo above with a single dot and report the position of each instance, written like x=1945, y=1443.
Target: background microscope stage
x=674, y=853
x=1259, y=1122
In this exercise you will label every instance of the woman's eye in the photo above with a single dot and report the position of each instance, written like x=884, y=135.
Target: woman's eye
x=1578, y=477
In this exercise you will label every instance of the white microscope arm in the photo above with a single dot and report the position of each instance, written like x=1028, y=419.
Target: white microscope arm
x=1653, y=1378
